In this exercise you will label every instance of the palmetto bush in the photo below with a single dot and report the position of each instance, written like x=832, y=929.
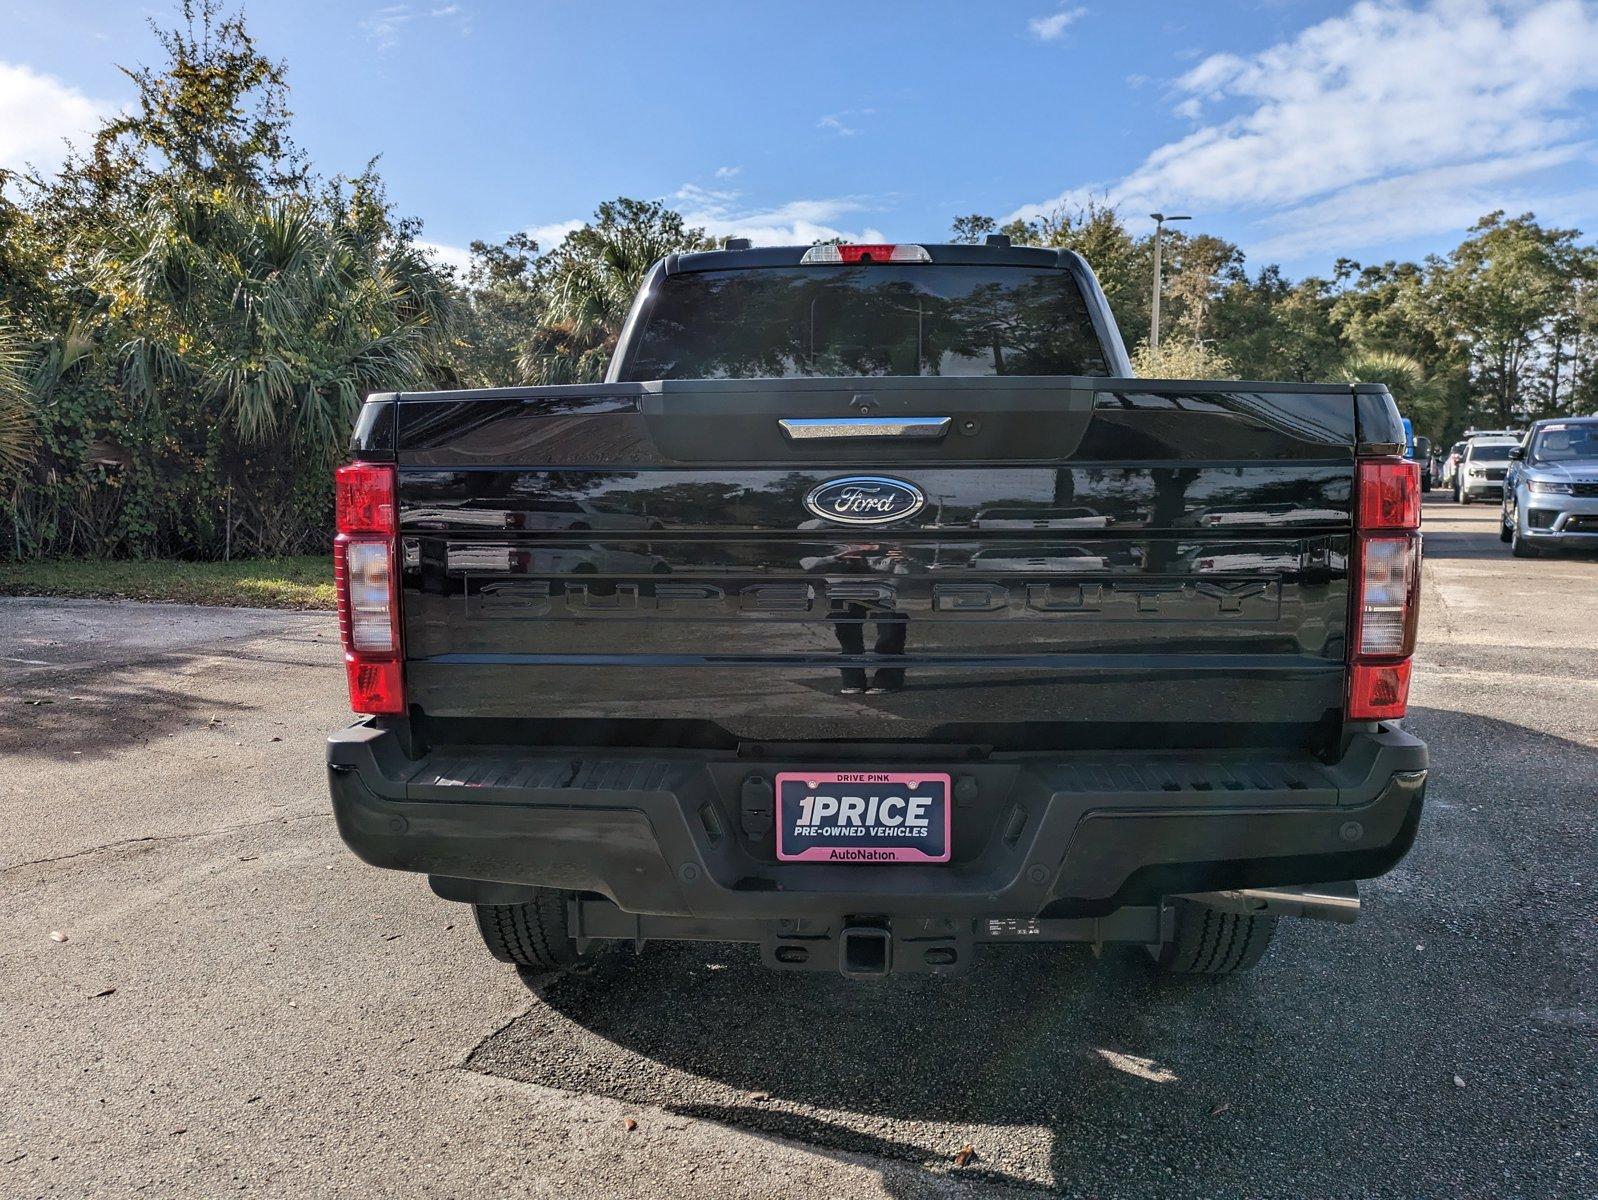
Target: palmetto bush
x=199, y=317
x=208, y=380
x=277, y=316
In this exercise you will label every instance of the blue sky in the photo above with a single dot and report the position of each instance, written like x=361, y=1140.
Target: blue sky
x=1303, y=131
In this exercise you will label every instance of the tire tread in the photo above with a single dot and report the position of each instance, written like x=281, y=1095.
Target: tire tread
x=532, y=934
x=1208, y=941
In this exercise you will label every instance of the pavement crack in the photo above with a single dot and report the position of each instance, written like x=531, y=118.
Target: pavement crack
x=466, y=1063
x=1432, y=585
x=158, y=838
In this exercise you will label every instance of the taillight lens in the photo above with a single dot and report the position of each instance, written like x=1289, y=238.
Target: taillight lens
x=364, y=498
x=861, y=252
x=370, y=586
x=1388, y=585
x=1378, y=691
x=368, y=591
x=376, y=688
x=1386, y=578
x=1389, y=494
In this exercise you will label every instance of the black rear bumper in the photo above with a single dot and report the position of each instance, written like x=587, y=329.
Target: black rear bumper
x=674, y=834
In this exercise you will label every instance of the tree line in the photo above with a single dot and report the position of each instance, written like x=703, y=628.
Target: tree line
x=190, y=315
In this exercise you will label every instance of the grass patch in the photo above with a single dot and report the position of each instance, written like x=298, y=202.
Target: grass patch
x=304, y=582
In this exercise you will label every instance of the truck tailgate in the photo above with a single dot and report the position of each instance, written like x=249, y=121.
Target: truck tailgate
x=1109, y=563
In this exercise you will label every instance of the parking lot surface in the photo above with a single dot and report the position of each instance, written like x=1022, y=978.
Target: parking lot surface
x=202, y=992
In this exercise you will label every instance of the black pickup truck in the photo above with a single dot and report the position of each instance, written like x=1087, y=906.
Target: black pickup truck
x=871, y=610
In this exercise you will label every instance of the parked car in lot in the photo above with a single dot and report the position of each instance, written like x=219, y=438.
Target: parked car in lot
x=1551, y=492
x=1456, y=455
x=1482, y=469
x=1418, y=450
x=1168, y=732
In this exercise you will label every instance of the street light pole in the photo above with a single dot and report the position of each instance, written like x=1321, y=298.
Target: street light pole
x=1154, y=320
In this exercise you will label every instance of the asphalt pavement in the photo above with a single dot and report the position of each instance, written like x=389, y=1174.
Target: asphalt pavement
x=202, y=992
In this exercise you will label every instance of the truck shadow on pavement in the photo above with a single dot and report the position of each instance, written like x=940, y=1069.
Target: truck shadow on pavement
x=95, y=710
x=1329, y=1071
x=87, y=679
x=1003, y=1058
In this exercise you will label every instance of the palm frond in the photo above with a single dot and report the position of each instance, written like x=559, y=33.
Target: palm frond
x=280, y=313
x=16, y=399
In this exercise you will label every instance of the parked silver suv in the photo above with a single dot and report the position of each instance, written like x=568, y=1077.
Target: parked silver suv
x=1551, y=493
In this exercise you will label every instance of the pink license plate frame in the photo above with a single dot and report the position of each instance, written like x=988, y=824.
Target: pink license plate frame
x=871, y=847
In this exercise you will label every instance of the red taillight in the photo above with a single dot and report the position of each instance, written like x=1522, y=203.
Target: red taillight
x=1378, y=691
x=862, y=252
x=364, y=571
x=375, y=687
x=1389, y=494
x=867, y=253
x=1385, y=578
x=364, y=498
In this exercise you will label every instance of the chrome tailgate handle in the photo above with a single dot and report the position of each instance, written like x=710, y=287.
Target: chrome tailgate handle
x=816, y=429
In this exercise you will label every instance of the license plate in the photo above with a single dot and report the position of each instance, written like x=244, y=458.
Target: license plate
x=862, y=816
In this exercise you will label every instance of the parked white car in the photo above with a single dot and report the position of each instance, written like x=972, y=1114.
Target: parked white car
x=1481, y=471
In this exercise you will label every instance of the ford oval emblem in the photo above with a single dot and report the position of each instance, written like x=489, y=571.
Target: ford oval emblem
x=865, y=500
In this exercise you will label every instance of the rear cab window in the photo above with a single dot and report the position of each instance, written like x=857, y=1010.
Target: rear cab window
x=875, y=319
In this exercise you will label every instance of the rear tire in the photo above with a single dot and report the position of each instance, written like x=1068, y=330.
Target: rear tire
x=531, y=934
x=1208, y=941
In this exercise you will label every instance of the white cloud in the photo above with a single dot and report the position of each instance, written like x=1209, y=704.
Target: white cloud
x=1072, y=199
x=842, y=123
x=1383, y=89
x=551, y=235
x=722, y=213
x=457, y=257
x=37, y=113
x=1433, y=109
x=547, y=236
x=1388, y=211
x=1052, y=27
x=384, y=26
x=692, y=194
x=727, y=172
x=794, y=223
